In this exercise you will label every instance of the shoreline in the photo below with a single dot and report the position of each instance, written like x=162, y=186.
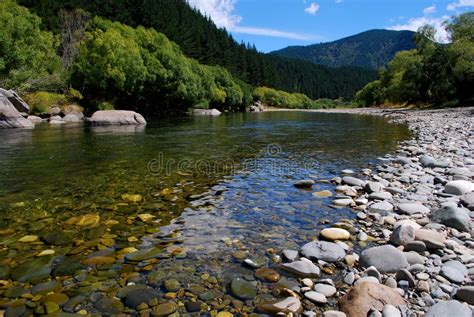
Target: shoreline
x=417, y=206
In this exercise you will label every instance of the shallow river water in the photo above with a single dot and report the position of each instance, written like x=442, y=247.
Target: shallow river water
x=199, y=194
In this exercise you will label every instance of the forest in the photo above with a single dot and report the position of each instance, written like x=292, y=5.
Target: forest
x=433, y=73
x=200, y=39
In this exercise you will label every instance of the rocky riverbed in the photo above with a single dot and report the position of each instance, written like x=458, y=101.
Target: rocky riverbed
x=405, y=251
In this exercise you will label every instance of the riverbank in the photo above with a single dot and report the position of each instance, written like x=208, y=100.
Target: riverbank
x=119, y=240
x=416, y=205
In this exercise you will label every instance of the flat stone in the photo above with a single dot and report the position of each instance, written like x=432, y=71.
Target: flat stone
x=287, y=305
x=412, y=208
x=302, y=268
x=454, y=271
x=453, y=217
x=343, y=202
x=142, y=255
x=88, y=220
x=459, y=187
x=374, y=187
x=325, y=289
x=323, y=250
x=431, y=238
x=449, y=308
x=322, y=194
x=380, y=196
x=352, y=181
x=466, y=294
x=334, y=313
x=335, y=234
x=316, y=297
x=386, y=259
x=382, y=207
x=243, y=289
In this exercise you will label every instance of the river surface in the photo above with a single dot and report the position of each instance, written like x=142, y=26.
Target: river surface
x=210, y=191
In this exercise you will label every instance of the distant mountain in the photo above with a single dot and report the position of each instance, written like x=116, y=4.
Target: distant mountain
x=371, y=49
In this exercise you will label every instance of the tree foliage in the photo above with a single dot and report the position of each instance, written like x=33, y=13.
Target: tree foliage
x=433, y=73
x=200, y=39
x=27, y=54
x=140, y=67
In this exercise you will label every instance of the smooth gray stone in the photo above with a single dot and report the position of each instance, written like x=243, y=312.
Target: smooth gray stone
x=386, y=258
x=449, y=308
x=454, y=271
x=453, y=217
x=323, y=250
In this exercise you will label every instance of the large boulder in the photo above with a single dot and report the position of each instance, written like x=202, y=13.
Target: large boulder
x=116, y=117
x=15, y=100
x=367, y=296
x=453, y=217
x=206, y=112
x=386, y=259
x=10, y=117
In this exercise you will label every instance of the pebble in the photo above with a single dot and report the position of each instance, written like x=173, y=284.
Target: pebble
x=326, y=290
x=316, y=297
x=335, y=234
x=302, y=268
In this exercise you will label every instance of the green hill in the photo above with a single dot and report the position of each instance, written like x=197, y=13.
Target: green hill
x=371, y=49
x=199, y=38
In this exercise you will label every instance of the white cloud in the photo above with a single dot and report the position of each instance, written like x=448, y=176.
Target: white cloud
x=339, y=1
x=460, y=4
x=273, y=33
x=429, y=10
x=312, y=9
x=222, y=13
x=414, y=24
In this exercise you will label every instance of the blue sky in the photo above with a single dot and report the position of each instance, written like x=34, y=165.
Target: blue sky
x=274, y=24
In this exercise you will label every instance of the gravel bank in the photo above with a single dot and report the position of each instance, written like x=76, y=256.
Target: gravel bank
x=414, y=210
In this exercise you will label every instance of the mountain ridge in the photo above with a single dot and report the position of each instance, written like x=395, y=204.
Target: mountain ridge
x=370, y=49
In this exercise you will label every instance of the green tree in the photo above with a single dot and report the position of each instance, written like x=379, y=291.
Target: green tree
x=27, y=54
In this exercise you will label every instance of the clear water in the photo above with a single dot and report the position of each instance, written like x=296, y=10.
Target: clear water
x=215, y=185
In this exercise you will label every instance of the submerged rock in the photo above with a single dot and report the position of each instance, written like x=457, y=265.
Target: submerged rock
x=243, y=289
x=32, y=272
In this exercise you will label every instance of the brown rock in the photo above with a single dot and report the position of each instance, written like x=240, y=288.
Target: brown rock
x=366, y=296
x=267, y=274
x=432, y=239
